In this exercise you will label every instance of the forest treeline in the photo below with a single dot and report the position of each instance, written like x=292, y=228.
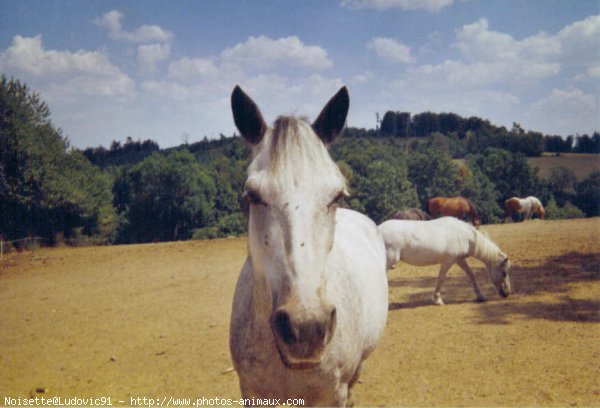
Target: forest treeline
x=461, y=136
x=135, y=192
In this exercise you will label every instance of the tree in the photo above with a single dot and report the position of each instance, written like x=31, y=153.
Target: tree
x=396, y=124
x=588, y=195
x=558, y=144
x=509, y=172
x=433, y=173
x=425, y=123
x=164, y=197
x=476, y=186
x=45, y=188
x=384, y=189
x=561, y=184
x=129, y=153
x=587, y=144
x=567, y=211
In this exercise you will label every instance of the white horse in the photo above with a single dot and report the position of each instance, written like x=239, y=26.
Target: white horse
x=445, y=241
x=311, y=300
x=526, y=206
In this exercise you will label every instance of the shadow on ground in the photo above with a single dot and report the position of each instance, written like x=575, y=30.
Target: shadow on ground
x=555, y=276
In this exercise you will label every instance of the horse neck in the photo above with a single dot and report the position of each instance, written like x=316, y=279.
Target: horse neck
x=485, y=249
x=472, y=210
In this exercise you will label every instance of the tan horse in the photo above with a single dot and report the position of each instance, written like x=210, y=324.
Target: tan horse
x=526, y=206
x=458, y=207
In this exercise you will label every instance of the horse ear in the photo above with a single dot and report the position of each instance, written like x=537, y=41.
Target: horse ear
x=332, y=118
x=247, y=116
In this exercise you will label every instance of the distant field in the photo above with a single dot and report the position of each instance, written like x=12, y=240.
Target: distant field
x=582, y=164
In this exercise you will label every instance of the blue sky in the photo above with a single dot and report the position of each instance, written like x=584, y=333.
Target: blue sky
x=164, y=70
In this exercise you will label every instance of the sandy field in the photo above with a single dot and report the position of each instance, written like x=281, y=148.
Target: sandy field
x=152, y=321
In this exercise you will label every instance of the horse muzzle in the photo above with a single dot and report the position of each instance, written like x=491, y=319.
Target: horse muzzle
x=301, y=341
x=505, y=290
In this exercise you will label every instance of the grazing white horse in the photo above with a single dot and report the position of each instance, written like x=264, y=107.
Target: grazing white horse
x=311, y=300
x=446, y=241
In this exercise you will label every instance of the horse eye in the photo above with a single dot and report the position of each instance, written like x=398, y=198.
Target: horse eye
x=338, y=198
x=253, y=197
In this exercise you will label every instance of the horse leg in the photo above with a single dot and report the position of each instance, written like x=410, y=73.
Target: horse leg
x=437, y=297
x=465, y=267
x=354, y=380
x=340, y=399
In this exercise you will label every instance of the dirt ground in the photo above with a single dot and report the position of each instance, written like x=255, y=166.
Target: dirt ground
x=152, y=321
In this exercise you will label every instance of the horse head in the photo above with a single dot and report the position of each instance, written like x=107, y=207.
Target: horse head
x=292, y=190
x=541, y=212
x=499, y=275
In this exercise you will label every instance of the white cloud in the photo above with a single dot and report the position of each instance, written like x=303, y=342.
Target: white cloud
x=192, y=68
x=65, y=72
x=567, y=112
x=82, y=86
x=460, y=76
x=575, y=48
x=488, y=61
x=594, y=71
x=143, y=34
x=587, y=29
x=495, y=57
x=477, y=42
x=167, y=89
x=28, y=54
x=428, y=5
x=496, y=76
x=580, y=43
x=363, y=78
x=390, y=49
x=149, y=55
x=279, y=95
x=264, y=53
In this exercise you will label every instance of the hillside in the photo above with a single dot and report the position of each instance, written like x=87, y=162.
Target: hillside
x=581, y=164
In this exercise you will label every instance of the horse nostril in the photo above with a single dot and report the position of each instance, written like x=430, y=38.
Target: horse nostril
x=284, y=327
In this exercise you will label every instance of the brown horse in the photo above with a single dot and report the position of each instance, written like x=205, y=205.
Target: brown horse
x=411, y=214
x=459, y=207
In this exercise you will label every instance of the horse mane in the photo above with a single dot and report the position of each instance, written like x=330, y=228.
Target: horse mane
x=484, y=248
x=295, y=150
